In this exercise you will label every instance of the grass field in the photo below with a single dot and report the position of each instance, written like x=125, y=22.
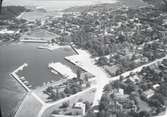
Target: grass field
x=86, y=96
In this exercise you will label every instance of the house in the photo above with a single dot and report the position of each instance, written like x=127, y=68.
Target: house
x=125, y=105
x=88, y=78
x=112, y=70
x=156, y=86
x=95, y=109
x=129, y=105
x=164, y=34
x=148, y=93
x=115, y=106
x=80, y=106
x=135, y=79
x=119, y=94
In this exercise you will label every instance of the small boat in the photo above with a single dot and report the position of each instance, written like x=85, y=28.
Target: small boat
x=29, y=86
x=44, y=83
x=54, y=72
x=22, y=78
x=26, y=82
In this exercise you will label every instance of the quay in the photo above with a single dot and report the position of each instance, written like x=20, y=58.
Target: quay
x=74, y=49
x=34, y=41
x=14, y=75
x=62, y=69
x=73, y=63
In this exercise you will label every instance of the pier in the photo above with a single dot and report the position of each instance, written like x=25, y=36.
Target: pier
x=34, y=41
x=51, y=47
x=14, y=75
x=74, y=49
x=62, y=69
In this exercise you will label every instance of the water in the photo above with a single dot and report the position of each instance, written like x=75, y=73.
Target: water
x=55, y=4
x=14, y=55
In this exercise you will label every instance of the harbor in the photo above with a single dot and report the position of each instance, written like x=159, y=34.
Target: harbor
x=37, y=72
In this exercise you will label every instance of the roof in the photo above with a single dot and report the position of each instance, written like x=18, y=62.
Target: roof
x=156, y=86
x=63, y=70
x=148, y=93
x=80, y=105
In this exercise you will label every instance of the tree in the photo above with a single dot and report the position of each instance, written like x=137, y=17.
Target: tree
x=130, y=88
x=68, y=90
x=78, y=73
x=164, y=62
x=121, y=114
x=87, y=104
x=144, y=114
x=49, y=89
x=1, y=6
x=154, y=102
x=104, y=103
x=108, y=88
x=159, y=97
x=162, y=4
x=90, y=114
x=0, y=111
x=102, y=61
x=132, y=114
x=163, y=89
x=65, y=105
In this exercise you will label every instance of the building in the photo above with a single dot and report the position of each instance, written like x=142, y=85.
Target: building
x=156, y=86
x=81, y=106
x=112, y=70
x=135, y=79
x=148, y=93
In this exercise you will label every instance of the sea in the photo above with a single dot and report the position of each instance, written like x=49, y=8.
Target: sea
x=51, y=5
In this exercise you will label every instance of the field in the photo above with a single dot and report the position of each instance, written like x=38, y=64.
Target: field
x=86, y=96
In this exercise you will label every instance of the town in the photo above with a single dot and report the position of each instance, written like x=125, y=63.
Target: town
x=102, y=62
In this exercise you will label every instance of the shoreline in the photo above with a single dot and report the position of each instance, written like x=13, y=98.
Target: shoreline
x=99, y=87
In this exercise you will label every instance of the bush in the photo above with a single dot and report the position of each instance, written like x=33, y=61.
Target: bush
x=64, y=105
x=55, y=112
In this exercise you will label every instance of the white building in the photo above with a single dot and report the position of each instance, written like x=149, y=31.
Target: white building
x=82, y=106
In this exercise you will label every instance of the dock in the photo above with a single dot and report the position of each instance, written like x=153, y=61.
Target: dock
x=34, y=41
x=62, y=69
x=14, y=75
x=74, y=49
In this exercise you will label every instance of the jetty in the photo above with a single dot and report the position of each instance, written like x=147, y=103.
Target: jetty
x=51, y=47
x=62, y=69
x=34, y=41
x=21, y=80
x=74, y=49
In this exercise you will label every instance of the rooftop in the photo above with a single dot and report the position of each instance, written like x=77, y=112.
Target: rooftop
x=63, y=70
